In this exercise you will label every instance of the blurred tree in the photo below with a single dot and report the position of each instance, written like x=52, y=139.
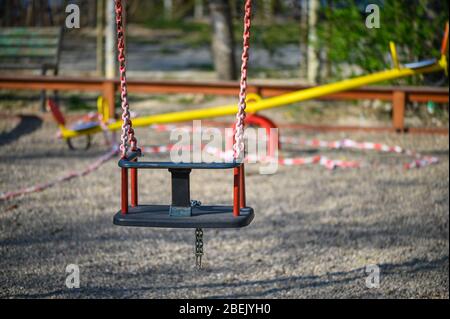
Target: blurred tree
x=168, y=9
x=303, y=38
x=313, y=61
x=268, y=10
x=222, y=39
x=100, y=30
x=415, y=26
x=110, y=39
x=199, y=10
x=38, y=13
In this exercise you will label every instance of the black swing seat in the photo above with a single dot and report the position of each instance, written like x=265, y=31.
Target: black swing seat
x=202, y=217
x=181, y=213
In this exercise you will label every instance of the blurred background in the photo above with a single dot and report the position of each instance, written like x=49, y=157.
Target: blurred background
x=293, y=41
x=175, y=36
x=327, y=213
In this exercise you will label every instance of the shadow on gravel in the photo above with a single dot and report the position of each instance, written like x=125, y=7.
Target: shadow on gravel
x=335, y=278
x=270, y=286
x=27, y=125
x=299, y=229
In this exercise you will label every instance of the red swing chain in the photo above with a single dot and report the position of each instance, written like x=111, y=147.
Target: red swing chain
x=239, y=146
x=128, y=140
x=128, y=136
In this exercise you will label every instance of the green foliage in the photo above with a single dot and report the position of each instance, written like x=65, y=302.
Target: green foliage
x=416, y=26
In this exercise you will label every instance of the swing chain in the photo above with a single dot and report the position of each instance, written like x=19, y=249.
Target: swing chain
x=198, y=239
x=195, y=203
x=239, y=146
x=198, y=248
x=127, y=136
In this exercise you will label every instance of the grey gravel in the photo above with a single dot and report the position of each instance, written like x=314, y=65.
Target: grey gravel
x=314, y=233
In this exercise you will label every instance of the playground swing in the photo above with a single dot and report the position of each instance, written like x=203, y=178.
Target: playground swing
x=182, y=212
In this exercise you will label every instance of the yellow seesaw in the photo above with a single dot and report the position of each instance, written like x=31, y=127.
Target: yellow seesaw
x=399, y=71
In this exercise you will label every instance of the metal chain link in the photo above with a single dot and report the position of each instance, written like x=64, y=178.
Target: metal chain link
x=127, y=138
x=239, y=146
x=198, y=248
x=198, y=239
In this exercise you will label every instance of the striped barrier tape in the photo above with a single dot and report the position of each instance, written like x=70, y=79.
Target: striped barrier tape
x=64, y=178
x=419, y=160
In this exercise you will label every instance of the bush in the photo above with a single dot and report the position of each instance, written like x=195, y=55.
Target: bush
x=416, y=26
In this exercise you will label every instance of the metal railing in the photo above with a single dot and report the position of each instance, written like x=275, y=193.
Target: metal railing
x=399, y=96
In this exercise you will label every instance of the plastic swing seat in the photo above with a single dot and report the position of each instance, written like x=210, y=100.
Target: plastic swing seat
x=182, y=213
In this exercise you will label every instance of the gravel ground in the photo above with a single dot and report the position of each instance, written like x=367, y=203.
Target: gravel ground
x=314, y=233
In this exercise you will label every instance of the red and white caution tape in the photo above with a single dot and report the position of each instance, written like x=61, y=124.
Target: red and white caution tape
x=418, y=162
x=422, y=162
x=228, y=156
x=294, y=161
x=297, y=161
x=66, y=177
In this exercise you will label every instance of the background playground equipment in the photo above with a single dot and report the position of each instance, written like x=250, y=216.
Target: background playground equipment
x=86, y=122
x=398, y=71
x=31, y=49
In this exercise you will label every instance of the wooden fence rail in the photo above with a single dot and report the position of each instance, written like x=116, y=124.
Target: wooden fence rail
x=399, y=96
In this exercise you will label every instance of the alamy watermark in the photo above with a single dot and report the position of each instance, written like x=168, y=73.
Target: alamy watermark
x=73, y=279
x=73, y=17
x=373, y=17
x=213, y=145
x=373, y=278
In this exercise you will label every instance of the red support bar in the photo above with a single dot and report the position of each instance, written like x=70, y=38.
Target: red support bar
x=242, y=186
x=124, y=191
x=445, y=40
x=134, y=187
x=267, y=124
x=398, y=111
x=236, y=191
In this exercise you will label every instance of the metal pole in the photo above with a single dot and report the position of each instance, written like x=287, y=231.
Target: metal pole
x=134, y=186
x=100, y=34
x=313, y=62
x=236, y=192
x=242, y=200
x=124, y=190
x=398, y=111
x=198, y=10
x=168, y=9
x=223, y=40
x=110, y=42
